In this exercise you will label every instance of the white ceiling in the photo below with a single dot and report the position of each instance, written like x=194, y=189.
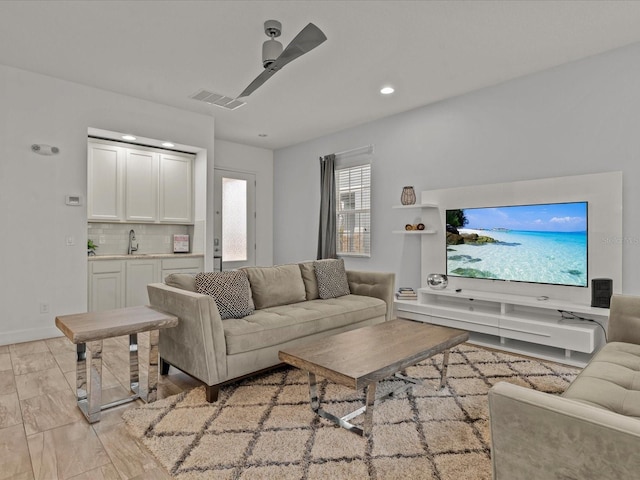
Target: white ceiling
x=429, y=50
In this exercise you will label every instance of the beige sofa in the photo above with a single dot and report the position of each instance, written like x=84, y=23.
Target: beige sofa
x=218, y=351
x=592, y=431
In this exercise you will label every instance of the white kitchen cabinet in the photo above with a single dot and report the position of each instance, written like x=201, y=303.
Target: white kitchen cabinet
x=141, y=186
x=139, y=274
x=138, y=184
x=191, y=265
x=105, y=188
x=106, y=285
x=176, y=189
x=123, y=283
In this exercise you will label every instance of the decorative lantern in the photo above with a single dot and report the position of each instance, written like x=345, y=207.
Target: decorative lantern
x=408, y=196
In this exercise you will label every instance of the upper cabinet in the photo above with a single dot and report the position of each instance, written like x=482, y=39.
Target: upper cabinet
x=176, y=189
x=104, y=190
x=141, y=186
x=138, y=185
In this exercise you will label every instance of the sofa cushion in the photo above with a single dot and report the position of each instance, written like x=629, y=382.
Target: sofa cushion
x=230, y=290
x=332, y=278
x=308, y=272
x=184, y=281
x=278, y=285
x=276, y=325
x=611, y=380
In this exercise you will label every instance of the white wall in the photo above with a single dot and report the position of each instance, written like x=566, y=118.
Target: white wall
x=36, y=265
x=244, y=158
x=576, y=119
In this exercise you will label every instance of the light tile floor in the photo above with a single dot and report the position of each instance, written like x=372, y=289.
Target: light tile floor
x=43, y=435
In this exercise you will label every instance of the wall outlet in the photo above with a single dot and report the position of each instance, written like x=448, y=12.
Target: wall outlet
x=101, y=240
x=167, y=239
x=71, y=241
x=44, y=308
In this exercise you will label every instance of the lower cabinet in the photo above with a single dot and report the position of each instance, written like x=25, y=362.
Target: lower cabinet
x=106, y=285
x=123, y=283
x=180, y=265
x=139, y=274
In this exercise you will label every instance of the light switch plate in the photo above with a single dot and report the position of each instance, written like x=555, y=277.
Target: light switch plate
x=73, y=200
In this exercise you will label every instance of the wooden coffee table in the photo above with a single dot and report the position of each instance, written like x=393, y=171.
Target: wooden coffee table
x=362, y=357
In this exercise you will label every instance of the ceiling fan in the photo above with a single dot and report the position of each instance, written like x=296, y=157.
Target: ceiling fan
x=274, y=57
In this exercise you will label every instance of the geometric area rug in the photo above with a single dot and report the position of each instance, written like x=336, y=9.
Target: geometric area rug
x=263, y=427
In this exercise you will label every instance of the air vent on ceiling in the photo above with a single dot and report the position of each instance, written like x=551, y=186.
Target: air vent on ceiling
x=217, y=99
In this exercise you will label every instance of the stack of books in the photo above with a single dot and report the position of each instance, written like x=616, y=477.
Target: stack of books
x=406, y=293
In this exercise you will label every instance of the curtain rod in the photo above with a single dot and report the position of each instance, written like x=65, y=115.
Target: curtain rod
x=356, y=151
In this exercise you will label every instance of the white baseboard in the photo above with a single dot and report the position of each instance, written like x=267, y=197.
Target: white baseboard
x=29, y=335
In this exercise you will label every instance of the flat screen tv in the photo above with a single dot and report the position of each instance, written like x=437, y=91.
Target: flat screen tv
x=544, y=243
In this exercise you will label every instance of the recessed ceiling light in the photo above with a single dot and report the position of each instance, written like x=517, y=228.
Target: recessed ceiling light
x=262, y=135
x=128, y=137
x=387, y=90
x=168, y=144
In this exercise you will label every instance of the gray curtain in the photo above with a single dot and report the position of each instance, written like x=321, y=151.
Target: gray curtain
x=327, y=229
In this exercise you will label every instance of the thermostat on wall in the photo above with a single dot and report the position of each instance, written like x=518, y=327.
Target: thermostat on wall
x=180, y=243
x=73, y=200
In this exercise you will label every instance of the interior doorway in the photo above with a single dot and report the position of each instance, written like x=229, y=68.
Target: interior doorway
x=235, y=219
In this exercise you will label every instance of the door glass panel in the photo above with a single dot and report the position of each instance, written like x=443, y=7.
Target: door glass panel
x=234, y=219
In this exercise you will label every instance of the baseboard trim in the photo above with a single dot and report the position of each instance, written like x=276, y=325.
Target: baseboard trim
x=29, y=335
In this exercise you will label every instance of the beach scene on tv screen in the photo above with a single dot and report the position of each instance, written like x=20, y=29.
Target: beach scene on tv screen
x=544, y=243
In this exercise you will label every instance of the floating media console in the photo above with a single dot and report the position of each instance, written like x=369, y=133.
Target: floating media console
x=522, y=324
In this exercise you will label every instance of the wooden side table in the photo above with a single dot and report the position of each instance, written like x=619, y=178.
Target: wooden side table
x=90, y=329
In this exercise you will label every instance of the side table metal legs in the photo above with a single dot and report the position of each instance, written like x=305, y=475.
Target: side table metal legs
x=152, y=379
x=89, y=390
x=89, y=394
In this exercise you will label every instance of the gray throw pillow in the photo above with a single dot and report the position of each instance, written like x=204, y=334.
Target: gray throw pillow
x=332, y=278
x=230, y=290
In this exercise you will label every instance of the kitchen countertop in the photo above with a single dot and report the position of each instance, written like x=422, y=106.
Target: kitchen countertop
x=142, y=256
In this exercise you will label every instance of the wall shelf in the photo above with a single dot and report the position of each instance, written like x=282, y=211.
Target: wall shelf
x=415, y=205
x=415, y=232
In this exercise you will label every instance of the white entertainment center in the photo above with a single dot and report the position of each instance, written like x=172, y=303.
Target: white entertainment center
x=552, y=322
x=515, y=323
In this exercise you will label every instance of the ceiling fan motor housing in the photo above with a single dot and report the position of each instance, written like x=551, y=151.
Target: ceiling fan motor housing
x=271, y=49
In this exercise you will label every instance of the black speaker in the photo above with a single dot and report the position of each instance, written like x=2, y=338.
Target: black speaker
x=601, y=291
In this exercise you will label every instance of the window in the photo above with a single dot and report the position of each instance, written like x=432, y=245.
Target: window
x=353, y=211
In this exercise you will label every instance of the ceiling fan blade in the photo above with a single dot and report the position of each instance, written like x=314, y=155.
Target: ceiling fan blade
x=259, y=80
x=308, y=39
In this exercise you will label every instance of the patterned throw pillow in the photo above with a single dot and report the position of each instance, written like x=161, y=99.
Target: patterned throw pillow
x=332, y=278
x=230, y=290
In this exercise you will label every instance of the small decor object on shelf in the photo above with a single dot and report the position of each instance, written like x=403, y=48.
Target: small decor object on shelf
x=408, y=226
x=406, y=293
x=437, y=281
x=408, y=196
x=420, y=226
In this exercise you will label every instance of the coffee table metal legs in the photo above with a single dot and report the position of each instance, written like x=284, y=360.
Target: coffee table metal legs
x=367, y=409
x=89, y=390
x=370, y=400
x=445, y=364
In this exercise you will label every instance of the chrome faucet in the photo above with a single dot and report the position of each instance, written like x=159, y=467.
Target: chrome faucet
x=132, y=237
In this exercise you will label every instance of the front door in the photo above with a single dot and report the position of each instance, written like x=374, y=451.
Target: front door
x=235, y=219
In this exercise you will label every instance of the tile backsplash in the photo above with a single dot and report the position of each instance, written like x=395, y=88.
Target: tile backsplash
x=113, y=238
